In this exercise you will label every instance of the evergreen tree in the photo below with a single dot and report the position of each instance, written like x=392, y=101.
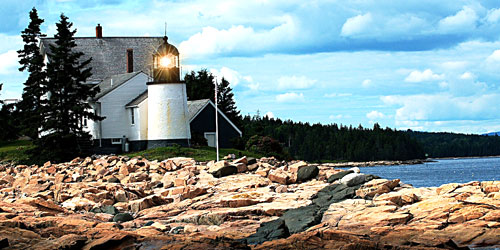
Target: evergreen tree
x=8, y=129
x=200, y=85
x=67, y=96
x=31, y=105
x=226, y=101
x=68, y=93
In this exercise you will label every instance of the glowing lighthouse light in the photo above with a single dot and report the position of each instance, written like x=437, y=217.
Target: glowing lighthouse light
x=165, y=61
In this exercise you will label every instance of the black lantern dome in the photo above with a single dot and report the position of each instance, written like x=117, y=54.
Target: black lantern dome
x=166, y=63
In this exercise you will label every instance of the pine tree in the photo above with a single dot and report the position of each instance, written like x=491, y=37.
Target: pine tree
x=200, y=85
x=8, y=127
x=226, y=101
x=31, y=60
x=67, y=95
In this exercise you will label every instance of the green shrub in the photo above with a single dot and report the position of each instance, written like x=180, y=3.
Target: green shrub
x=266, y=145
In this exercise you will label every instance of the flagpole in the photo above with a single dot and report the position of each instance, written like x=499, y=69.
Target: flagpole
x=216, y=121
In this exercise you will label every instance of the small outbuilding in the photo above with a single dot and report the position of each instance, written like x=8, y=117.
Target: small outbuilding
x=202, y=122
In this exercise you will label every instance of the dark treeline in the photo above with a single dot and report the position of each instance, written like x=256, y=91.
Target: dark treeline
x=334, y=142
x=457, y=145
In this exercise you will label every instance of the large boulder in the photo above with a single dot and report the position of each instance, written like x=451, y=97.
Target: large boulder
x=222, y=168
x=354, y=179
x=339, y=175
x=280, y=176
x=307, y=172
x=376, y=187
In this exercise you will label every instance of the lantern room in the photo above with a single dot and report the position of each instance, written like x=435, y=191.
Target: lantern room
x=166, y=63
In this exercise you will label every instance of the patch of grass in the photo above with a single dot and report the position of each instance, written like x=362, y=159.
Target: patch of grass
x=15, y=151
x=199, y=154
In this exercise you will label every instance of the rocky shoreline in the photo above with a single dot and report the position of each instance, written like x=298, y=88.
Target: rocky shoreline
x=114, y=202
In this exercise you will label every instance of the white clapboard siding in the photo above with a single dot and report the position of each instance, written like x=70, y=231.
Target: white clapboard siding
x=117, y=121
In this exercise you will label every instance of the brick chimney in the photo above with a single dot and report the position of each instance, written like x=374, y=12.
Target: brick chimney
x=130, y=60
x=98, y=31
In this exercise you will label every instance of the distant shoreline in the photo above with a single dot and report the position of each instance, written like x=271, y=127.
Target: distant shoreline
x=398, y=163
x=464, y=157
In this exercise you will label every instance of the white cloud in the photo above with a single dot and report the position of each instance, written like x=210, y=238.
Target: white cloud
x=444, y=107
x=332, y=95
x=463, y=20
x=444, y=85
x=290, y=97
x=232, y=76
x=269, y=114
x=356, y=25
x=494, y=57
x=493, y=15
x=467, y=76
x=237, y=40
x=422, y=76
x=254, y=86
x=366, y=83
x=454, y=65
x=295, y=82
x=8, y=62
x=375, y=115
x=339, y=116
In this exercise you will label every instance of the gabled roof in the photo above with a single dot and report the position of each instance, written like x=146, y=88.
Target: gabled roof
x=198, y=105
x=109, y=54
x=113, y=82
x=195, y=107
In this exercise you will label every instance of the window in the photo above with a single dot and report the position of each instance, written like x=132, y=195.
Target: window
x=116, y=141
x=132, y=118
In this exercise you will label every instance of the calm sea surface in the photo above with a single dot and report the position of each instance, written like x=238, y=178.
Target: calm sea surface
x=435, y=174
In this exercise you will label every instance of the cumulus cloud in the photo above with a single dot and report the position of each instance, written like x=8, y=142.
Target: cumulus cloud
x=290, y=97
x=422, y=76
x=467, y=76
x=444, y=107
x=295, y=82
x=356, y=25
x=237, y=40
x=366, y=83
x=494, y=57
x=462, y=21
x=269, y=114
x=339, y=116
x=8, y=62
x=493, y=16
x=232, y=76
x=375, y=115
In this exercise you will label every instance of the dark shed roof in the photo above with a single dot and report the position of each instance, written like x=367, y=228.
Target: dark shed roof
x=109, y=54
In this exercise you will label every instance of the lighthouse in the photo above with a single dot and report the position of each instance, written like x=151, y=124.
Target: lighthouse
x=168, y=121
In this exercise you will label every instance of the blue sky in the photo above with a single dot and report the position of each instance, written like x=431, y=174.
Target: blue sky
x=419, y=64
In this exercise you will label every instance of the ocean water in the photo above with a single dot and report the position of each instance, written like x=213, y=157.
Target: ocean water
x=434, y=174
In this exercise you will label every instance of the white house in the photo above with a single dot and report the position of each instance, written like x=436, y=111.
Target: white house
x=142, y=99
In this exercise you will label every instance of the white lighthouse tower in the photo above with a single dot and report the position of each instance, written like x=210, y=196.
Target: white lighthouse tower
x=167, y=100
